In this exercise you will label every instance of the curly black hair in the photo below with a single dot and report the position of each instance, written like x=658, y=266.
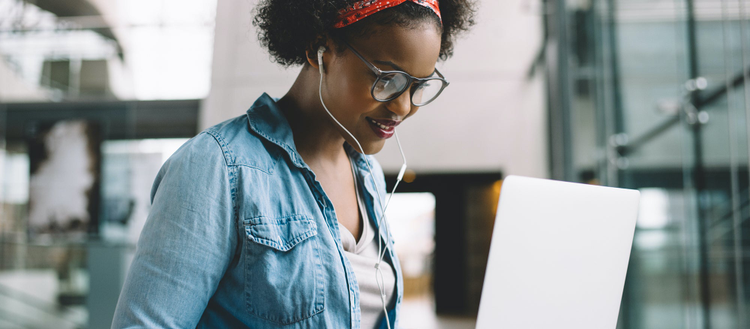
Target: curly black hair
x=289, y=28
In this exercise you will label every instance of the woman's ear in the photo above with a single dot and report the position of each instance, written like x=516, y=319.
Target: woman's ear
x=312, y=57
x=315, y=51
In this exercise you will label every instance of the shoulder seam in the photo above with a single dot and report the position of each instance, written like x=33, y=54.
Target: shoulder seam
x=229, y=158
x=226, y=154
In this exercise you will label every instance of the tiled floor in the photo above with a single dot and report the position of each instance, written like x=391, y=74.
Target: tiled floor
x=27, y=300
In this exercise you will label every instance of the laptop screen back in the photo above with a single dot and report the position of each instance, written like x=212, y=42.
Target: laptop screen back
x=559, y=255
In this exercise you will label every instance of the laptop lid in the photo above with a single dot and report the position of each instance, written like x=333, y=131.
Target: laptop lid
x=558, y=256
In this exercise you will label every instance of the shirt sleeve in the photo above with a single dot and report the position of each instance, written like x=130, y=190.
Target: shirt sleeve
x=186, y=244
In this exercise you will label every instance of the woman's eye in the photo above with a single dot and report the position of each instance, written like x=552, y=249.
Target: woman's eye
x=421, y=86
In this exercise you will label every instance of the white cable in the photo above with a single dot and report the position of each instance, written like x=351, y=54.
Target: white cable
x=398, y=180
x=382, y=220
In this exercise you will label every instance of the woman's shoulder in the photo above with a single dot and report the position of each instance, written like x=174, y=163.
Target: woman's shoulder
x=238, y=145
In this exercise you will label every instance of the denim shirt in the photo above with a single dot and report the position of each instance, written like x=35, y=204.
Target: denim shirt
x=240, y=234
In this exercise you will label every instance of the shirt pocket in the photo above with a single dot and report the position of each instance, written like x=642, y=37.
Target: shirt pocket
x=283, y=270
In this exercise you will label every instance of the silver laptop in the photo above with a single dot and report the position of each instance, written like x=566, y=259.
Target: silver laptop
x=558, y=256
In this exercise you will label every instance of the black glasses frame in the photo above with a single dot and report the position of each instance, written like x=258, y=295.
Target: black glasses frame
x=411, y=79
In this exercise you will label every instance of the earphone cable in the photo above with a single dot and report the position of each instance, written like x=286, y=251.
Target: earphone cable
x=381, y=221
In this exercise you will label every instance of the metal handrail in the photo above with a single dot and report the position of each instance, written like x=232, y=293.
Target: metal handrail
x=703, y=101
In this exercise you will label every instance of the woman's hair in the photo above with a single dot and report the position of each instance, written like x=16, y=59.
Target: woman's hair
x=289, y=28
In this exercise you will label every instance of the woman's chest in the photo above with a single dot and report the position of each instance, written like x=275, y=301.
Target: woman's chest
x=290, y=264
x=341, y=190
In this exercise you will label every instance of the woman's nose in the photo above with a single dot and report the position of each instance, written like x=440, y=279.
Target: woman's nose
x=401, y=106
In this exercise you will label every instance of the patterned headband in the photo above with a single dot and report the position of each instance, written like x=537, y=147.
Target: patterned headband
x=365, y=8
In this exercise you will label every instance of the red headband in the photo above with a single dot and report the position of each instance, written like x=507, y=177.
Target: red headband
x=366, y=8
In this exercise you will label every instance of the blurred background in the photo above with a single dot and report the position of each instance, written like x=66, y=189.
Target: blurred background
x=649, y=94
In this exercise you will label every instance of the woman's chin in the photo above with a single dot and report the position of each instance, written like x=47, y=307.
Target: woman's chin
x=370, y=147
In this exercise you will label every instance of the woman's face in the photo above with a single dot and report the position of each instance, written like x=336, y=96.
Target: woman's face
x=348, y=80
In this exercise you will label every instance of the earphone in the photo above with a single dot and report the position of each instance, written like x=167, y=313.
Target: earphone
x=321, y=50
x=381, y=221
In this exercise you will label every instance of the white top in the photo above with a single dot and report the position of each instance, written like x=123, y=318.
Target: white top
x=363, y=255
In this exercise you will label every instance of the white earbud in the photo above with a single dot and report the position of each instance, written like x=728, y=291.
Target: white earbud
x=321, y=50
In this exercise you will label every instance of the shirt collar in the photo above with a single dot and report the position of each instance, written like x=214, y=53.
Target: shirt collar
x=266, y=120
x=359, y=159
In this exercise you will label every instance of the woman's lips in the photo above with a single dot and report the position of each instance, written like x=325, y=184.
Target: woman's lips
x=383, y=128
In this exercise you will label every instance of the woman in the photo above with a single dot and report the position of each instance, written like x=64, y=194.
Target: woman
x=273, y=219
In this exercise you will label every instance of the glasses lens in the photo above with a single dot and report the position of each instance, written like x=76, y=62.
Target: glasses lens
x=426, y=92
x=389, y=86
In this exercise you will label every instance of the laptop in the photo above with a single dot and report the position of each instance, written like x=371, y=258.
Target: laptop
x=558, y=256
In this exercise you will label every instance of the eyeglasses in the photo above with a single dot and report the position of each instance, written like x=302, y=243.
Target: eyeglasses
x=389, y=85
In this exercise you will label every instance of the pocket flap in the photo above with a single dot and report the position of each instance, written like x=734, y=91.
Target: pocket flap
x=281, y=233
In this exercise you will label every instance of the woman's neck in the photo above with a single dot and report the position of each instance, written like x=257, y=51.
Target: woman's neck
x=316, y=138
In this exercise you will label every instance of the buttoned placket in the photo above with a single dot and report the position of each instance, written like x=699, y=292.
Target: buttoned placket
x=326, y=208
x=370, y=202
